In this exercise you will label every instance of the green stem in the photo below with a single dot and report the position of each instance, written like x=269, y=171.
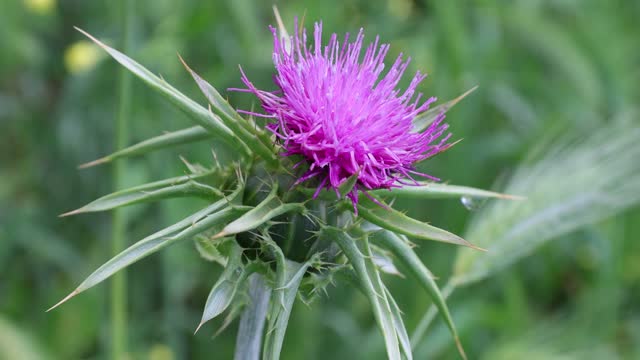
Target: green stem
x=119, y=282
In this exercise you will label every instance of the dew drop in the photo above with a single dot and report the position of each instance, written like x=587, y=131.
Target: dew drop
x=470, y=203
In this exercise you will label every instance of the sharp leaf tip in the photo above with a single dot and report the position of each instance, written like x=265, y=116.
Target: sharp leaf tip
x=198, y=328
x=94, y=163
x=73, y=293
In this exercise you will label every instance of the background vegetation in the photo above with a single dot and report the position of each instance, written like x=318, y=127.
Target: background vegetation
x=547, y=69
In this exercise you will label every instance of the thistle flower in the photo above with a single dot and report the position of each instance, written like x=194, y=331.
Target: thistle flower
x=336, y=110
x=351, y=125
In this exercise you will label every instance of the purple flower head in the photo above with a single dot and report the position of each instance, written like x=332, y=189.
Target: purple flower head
x=337, y=111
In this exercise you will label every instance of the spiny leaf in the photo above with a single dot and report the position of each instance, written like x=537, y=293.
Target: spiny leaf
x=330, y=195
x=347, y=186
x=256, y=140
x=382, y=259
x=400, y=247
x=269, y=208
x=181, y=186
x=209, y=249
x=280, y=311
x=393, y=220
x=429, y=190
x=401, y=330
x=188, y=227
x=422, y=121
x=225, y=288
x=252, y=320
x=196, y=112
x=370, y=282
x=273, y=250
x=169, y=139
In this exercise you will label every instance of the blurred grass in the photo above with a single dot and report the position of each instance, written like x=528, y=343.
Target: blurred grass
x=544, y=68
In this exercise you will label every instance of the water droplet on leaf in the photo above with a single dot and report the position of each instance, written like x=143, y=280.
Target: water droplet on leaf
x=471, y=203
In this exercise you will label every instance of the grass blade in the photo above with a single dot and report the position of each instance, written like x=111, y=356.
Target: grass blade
x=604, y=180
x=197, y=113
x=169, y=139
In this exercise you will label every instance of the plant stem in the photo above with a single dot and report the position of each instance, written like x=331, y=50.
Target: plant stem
x=424, y=323
x=119, y=282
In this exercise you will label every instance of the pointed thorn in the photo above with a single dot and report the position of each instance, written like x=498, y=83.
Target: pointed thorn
x=476, y=247
x=457, y=100
x=73, y=212
x=184, y=64
x=92, y=38
x=454, y=143
x=198, y=328
x=74, y=293
x=512, y=197
x=94, y=163
x=219, y=235
x=463, y=355
x=281, y=27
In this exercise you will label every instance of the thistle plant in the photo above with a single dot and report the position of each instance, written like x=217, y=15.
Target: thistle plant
x=307, y=200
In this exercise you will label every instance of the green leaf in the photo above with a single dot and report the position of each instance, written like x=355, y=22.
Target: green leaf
x=252, y=321
x=400, y=247
x=580, y=179
x=226, y=287
x=429, y=190
x=197, y=113
x=398, y=324
x=182, y=186
x=190, y=226
x=210, y=249
x=280, y=308
x=330, y=195
x=383, y=260
x=347, y=186
x=370, y=283
x=422, y=121
x=269, y=208
x=169, y=139
x=227, y=113
x=393, y=220
x=274, y=251
x=256, y=140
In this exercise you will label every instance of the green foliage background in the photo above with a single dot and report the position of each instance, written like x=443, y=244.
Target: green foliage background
x=544, y=68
